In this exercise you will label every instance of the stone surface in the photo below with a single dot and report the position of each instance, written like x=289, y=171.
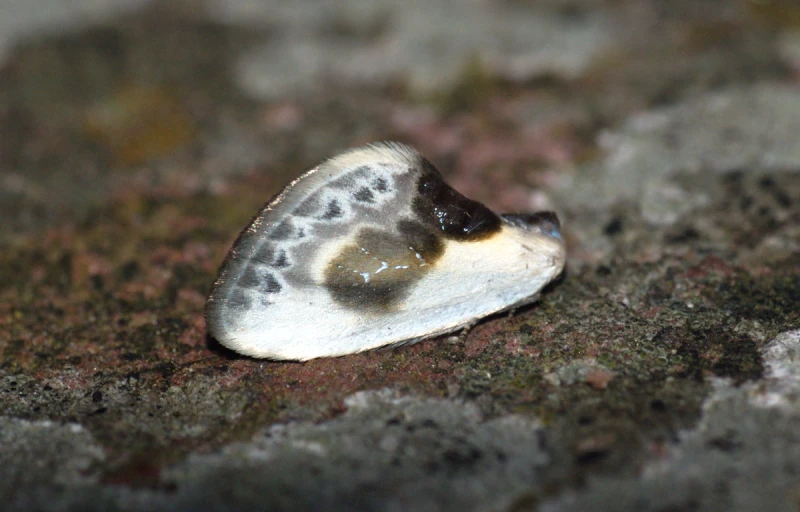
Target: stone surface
x=661, y=159
x=21, y=20
x=660, y=373
x=430, y=45
x=743, y=454
x=38, y=454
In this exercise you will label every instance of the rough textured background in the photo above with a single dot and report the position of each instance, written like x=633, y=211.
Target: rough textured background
x=661, y=373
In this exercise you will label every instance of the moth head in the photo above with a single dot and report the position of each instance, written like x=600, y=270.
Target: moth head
x=539, y=235
x=542, y=223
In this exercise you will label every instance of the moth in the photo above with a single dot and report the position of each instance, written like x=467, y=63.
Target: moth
x=372, y=248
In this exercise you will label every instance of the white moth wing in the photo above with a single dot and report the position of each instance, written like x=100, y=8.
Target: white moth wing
x=371, y=248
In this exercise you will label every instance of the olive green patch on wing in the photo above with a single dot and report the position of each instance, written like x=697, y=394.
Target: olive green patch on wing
x=380, y=269
x=449, y=213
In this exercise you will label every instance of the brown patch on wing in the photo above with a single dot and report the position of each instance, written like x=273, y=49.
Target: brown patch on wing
x=380, y=268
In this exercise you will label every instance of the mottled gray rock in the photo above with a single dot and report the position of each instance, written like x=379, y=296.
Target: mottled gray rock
x=743, y=456
x=430, y=44
x=44, y=454
x=20, y=19
x=385, y=453
x=752, y=129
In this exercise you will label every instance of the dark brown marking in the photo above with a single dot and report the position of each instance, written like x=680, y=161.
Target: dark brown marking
x=333, y=211
x=449, y=213
x=380, y=268
x=364, y=195
x=262, y=281
x=281, y=261
x=380, y=185
x=271, y=285
x=421, y=239
x=282, y=231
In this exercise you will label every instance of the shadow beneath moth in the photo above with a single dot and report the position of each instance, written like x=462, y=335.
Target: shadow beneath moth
x=369, y=249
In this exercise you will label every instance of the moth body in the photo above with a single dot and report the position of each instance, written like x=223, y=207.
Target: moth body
x=369, y=249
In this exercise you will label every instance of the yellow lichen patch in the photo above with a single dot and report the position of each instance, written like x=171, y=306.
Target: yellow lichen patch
x=139, y=123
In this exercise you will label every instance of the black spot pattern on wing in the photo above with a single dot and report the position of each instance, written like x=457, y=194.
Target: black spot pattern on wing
x=281, y=261
x=449, y=213
x=271, y=285
x=332, y=211
x=256, y=278
x=380, y=185
x=364, y=195
x=283, y=230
